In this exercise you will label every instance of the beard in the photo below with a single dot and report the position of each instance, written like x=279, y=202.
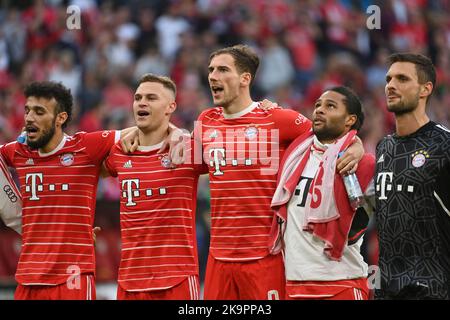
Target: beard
x=47, y=135
x=405, y=106
x=327, y=133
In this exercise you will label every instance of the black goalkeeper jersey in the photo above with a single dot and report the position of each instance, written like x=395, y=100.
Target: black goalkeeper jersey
x=412, y=204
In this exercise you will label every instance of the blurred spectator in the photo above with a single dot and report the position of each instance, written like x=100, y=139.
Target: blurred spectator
x=147, y=35
x=150, y=62
x=376, y=73
x=41, y=22
x=117, y=94
x=4, y=55
x=276, y=66
x=67, y=72
x=301, y=38
x=169, y=27
x=90, y=94
x=92, y=120
x=336, y=18
x=15, y=36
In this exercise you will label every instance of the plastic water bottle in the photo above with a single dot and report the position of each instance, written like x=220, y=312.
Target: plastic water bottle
x=353, y=189
x=22, y=138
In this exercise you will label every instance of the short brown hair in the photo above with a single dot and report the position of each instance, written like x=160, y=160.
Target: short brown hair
x=165, y=81
x=245, y=58
x=424, y=67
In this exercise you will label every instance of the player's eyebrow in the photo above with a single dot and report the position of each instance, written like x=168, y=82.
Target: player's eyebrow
x=397, y=75
x=326, y=101
x=38, y=107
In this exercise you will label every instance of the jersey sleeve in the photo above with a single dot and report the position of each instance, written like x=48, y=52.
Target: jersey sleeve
x=442, y=186
x=110, y=163
x=10, y=200
x=202, y=115
x=290, y=124
x=442, y=189
x=99, y=143
x=7, y=153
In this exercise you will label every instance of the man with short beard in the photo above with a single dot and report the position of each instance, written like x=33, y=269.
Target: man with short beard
x=58, y=177
x=412, y=188
x=158, y=204
x=242, y=144
x=315, y=226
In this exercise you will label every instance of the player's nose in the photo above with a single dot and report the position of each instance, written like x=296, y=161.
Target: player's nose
x=29, y=117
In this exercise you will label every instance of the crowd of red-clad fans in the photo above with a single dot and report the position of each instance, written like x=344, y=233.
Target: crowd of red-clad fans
x=304, y=46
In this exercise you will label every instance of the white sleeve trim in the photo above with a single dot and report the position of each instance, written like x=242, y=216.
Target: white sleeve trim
x=441, y=203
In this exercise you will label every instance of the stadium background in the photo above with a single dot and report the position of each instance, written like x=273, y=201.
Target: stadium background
x=304, y=46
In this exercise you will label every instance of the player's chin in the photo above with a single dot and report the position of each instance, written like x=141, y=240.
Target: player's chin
x=393, y=107
x=33, y=136
x=318, y=126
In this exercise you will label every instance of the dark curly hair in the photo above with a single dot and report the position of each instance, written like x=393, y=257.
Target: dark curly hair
x=352, y=103
x=49, y=90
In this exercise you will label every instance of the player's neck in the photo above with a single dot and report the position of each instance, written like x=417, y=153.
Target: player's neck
x=330, y=140
x=53, y=143
x=151, y=138
x=410, y=122
x=239, y=104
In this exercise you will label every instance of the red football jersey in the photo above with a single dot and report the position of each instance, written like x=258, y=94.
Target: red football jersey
x=157, y=218
x=243, y=152
x=58, y=190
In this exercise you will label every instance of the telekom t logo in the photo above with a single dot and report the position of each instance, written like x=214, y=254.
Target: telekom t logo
x=128, y=192
x=217, y=161
x=36, y=184
x=384, y=185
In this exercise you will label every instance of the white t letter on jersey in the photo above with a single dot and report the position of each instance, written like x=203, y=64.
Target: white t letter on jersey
x=34, y=186
x=128, y=191
x=383, y=185
x=216, y=161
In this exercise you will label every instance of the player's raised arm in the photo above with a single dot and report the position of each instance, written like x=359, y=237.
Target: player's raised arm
x=348, y=163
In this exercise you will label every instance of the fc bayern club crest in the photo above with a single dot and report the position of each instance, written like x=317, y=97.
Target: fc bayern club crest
x=251, y=132
x=166, y=162
x=419, y=158
x=67, y=159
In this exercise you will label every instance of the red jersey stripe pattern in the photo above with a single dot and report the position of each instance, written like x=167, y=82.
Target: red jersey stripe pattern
x=157, y=218
x=243, y=153
x=59, y=192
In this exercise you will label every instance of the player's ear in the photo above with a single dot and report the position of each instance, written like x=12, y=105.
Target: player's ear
x=61, y=118
x=350, y=120
x=171, y=108
x=426, y=89
x=246, y=78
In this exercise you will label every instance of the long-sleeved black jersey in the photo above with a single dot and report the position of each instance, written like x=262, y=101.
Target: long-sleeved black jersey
x=412, y=203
